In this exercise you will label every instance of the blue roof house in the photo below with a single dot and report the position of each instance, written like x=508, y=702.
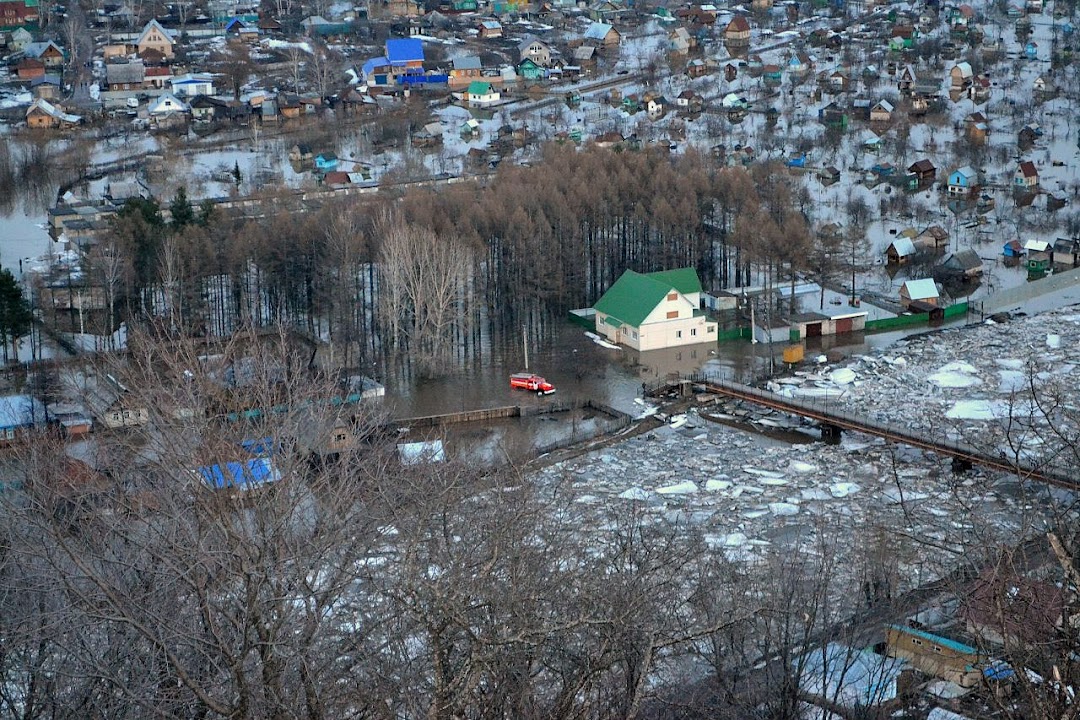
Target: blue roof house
x=1031, y=50
x=19, y=414
x=405, y=52
x=326, y=162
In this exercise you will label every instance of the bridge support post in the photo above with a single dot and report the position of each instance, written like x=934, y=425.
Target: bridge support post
x=830, y=434
x=960, y=466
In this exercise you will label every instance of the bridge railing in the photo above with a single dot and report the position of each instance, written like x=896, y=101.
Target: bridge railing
x=820, y=409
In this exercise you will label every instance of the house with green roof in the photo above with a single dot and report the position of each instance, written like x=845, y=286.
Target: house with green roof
x=655, y=310
x=481, y=93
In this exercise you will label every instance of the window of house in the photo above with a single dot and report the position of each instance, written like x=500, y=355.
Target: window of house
x=634, y=333
x=9, y=433
x=678, y=333
x=712, y=329
x=673, y=296
x=693, y=331
x=916, y=641
x=937, y=649
x=672, y=314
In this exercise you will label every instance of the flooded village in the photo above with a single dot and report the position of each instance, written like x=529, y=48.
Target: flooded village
x=561, y=359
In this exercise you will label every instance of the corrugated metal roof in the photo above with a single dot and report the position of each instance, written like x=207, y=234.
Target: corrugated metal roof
x=634, y=295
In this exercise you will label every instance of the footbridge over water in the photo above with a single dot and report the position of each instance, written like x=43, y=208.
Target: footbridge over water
x=833, y=420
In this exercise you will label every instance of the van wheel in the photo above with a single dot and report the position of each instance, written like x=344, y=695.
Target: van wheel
x=539, y=393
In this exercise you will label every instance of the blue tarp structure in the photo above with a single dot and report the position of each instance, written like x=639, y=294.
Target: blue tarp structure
x=242, y=475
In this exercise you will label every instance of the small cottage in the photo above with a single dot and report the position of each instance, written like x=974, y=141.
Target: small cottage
x=963, y=181
x=900, y=251
x=924, y=172
x=935, y=655
x=19, y=415
x=602, y=35
x=881, y=112
x=1026, y=176
x=923, y=291
x=737, y=31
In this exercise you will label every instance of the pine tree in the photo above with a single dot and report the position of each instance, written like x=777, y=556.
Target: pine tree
x=236, y=174
x=182, y=212
x=15, y=314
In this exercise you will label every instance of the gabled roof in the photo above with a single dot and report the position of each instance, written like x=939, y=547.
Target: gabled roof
x=964, y=68
x=37, y=49
x=163, y=102
x=21, y=411
x=469, y=62
x=921, y=166
x=1028, y=170
x=154, y=25
x=903, y=246
x=921, y=289
x=524, y=44
x=634, y=295
x=884, y=105
x=404, y=50
x=479, y=87
x=967, y=171
x=738, y=24
x=966, y=259
x=51, y=110
x=598, y=31
x=116, y=73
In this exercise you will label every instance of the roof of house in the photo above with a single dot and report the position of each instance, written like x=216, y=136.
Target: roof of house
x=48, y=108
x=479, y=87
x=738, y=24
x=527, y=42
x=469, y=62
x=921, y=289
x=921, y=166
x=154, y=25
x=47, y=79
x=964, y=68
x=37, y=49
x=634, y=295
x=967, y=171
x=1036, y=246
x=21, y=411
x=598, y=31
x=966, y=259
x=884, y=105
x=404, y=50
x=117, y=73
x=491, y=24
x=846, y=674
x=903, y=246
x=1027, y=169
x=167, y=103
x=936, y=639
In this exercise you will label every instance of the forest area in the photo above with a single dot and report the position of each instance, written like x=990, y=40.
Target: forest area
x=425, y=275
